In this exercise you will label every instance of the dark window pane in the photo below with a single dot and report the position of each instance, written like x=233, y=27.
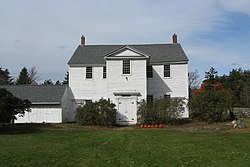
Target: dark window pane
x=126, y=67
x=150, y=98
x=88, y=101
x=166, y=70
x=88, y=72
x=149, y=71
x=104, y=72
x=167, y=96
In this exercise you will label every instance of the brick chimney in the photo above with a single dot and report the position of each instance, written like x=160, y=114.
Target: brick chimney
x=174, y=39
x=82, y=40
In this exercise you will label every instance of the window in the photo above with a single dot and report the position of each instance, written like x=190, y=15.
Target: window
x=166, y=70
x=149, y=71
x=79, y=102
x=88, y=101
x=167, y=96
x=104, y=72
x=150, y=98
x=126, y=67
x=88, y=72
x=126, y=95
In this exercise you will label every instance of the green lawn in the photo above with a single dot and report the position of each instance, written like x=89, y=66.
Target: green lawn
x=124, y=147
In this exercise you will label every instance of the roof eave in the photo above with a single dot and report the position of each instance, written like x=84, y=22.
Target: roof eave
x=45, y=103
x=168, y=62
x=87, y=65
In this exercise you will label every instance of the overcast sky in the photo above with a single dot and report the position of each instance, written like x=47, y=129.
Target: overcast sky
x=45, y=33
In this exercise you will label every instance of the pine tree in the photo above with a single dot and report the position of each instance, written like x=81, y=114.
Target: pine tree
x=211, y=76
x=5, y=78
x=10, y=106
x=58, y=82
x=48, y=82
x=23, y=77
x=66, y=79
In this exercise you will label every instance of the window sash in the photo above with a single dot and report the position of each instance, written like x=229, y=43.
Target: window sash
x=167, y=96
x=166, y=70
x=88, y=101
x=88, y=72
x=149, y=72
x=126, y=67
x=104, y=72
x=150, y=98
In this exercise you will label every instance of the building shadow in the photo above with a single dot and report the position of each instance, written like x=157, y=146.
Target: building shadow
x=25, y=128
x=157, y=85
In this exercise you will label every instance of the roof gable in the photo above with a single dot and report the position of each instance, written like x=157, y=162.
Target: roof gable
x=126, y=52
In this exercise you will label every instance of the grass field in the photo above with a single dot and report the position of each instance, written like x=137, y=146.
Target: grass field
x=70, y=145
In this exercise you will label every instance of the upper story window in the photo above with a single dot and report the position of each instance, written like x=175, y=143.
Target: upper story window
x=149, y=72
x=126, y=67
x=104, y=72
x=166, y=70
x=88, y=72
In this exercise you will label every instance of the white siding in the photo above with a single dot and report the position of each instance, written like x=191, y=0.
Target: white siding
x=98, y=87
x=42, y=114
x=135, y=82
x=68, y=110
x=82, y=88
x=176, y=85
x=69, y=106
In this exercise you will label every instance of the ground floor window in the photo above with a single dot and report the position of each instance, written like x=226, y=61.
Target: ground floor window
x=167, y=96
x=82, y=102
x=88, y=101
x=150, y=98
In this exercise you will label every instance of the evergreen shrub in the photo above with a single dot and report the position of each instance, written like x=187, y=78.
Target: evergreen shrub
x=160, y=111
x=102, y=113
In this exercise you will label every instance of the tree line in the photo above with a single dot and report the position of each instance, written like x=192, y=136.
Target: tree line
x=216, y=96
x=26, y=76
x=237, y=82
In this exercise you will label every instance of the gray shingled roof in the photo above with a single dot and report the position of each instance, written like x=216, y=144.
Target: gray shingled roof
x=38, y=94
x=93, y=54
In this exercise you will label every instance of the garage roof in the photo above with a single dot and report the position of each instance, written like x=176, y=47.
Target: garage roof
x=38, y=94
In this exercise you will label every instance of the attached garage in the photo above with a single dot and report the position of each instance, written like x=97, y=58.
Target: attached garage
x=42, y=114
x=49, y=103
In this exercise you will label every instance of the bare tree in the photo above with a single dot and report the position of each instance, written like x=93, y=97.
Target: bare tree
x=33, y=75
x=194, y=80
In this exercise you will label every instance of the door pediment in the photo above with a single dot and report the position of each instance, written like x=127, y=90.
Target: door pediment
x=124, y=93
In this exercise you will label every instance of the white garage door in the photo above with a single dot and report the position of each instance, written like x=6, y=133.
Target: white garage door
x=41, y=115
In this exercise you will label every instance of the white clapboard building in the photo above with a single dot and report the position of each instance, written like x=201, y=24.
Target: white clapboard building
x=127, y=74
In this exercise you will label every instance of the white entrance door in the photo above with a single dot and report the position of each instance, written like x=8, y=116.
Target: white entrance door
x=127, y=111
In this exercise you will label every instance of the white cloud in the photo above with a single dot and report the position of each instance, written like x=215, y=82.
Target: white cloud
x=241, y=6
x=51, y=30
